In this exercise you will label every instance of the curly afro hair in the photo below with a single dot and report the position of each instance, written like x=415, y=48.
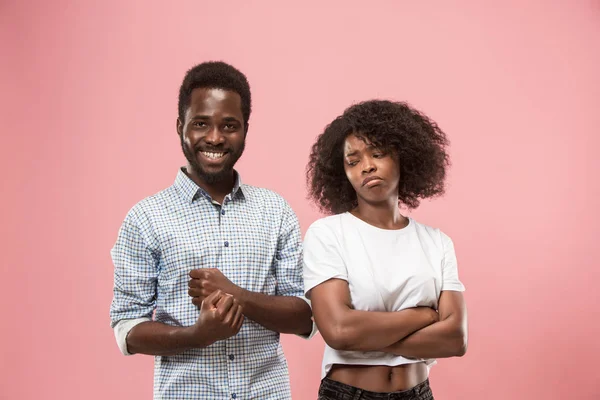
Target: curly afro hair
x=417, y=142
x=215, y=75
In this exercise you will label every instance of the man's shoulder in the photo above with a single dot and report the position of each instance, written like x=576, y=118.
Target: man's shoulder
x=261, y=194
x=153, y=205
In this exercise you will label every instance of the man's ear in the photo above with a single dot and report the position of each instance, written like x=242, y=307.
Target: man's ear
x=179, y=127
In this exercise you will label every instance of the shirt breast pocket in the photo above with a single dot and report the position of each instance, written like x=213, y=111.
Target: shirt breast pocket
x=181, y=254
x=248, y=261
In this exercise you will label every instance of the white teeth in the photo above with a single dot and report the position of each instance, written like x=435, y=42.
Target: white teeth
x=214, y=156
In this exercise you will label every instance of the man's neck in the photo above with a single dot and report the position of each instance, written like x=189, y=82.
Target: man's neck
x=216, y=190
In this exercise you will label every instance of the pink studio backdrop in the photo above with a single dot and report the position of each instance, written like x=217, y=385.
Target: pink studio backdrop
x=88, y=106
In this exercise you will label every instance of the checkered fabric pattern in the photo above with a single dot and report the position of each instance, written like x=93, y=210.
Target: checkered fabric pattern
x=253, y=238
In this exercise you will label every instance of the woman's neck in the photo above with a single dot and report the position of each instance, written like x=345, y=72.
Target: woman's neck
x=382, y=215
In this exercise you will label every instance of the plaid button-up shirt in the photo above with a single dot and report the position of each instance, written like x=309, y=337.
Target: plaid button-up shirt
x=253, y=238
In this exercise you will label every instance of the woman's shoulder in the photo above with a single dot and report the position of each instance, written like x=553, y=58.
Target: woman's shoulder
x=329, y=222
x=431, y=233
x=327, y=228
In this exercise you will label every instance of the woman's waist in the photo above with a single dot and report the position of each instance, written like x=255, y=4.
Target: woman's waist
x=380, y=378
x=354, y=357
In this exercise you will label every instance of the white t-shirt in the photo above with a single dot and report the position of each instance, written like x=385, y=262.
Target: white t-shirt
x=386, y=270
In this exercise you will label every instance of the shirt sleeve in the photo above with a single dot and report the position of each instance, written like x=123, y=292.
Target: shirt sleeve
x=135, y=261
x=122, y=329
x=288, y=261
x=288, y=257
x=450, y=280
x=322, y=260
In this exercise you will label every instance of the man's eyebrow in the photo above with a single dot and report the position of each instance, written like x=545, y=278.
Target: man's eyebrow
x=229, y=119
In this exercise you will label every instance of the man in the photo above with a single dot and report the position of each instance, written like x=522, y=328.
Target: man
x=239, y=244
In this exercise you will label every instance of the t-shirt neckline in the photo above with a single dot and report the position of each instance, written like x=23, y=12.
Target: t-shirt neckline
x=375, y=228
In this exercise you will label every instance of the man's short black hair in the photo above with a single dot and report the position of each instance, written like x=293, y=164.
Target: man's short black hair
x=215, y=75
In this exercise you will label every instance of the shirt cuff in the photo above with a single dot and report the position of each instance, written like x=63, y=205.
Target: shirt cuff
x=314, y=329
x=454, y=287
x=122, y=329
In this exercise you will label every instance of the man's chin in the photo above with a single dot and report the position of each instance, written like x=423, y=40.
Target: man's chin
x=214, y=176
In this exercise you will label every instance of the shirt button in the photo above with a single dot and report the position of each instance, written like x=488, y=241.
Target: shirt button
x=233, y=395
x=277, y=256
x=222, y=212
x=231, y=357
x=226, y=244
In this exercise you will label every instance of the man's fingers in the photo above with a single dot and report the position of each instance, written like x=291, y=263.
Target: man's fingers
x=196, y=273
x=196, y=282
x=239, y=318
x=198, y=292
x=197, y=301
x=214, y=298
x=229, y=317
x=225, y=303
x=232, y=314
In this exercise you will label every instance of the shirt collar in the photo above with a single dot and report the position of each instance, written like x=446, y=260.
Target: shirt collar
x=191, y=191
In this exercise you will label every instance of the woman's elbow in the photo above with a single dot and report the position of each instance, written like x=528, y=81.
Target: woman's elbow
x=461, y=350
x=461, y=344
x=457, y=336
x=337, y=337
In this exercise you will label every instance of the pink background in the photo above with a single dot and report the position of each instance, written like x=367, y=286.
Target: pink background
x=88, y=102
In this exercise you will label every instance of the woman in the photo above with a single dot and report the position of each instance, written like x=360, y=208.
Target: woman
x=385, y=291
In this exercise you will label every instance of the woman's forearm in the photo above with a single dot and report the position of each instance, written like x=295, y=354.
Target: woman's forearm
x=447, y=338
x=371, y=331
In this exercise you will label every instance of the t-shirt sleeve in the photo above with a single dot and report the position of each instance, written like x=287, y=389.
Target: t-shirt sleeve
x=322, y=259
x=450, y=280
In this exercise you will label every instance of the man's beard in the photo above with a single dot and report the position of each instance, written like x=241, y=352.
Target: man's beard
x=212, y=177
